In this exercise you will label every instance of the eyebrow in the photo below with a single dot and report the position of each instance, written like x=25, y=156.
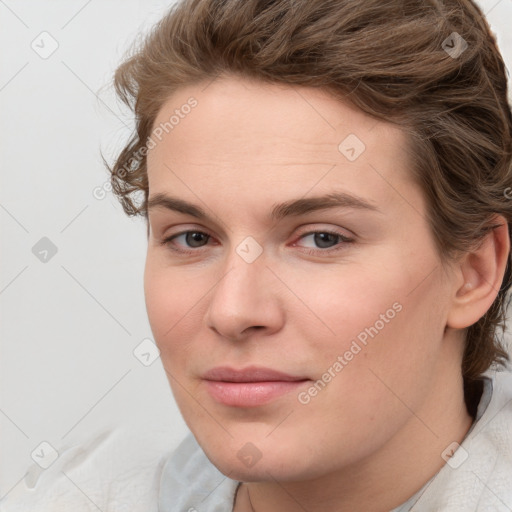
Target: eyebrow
x=279, y=211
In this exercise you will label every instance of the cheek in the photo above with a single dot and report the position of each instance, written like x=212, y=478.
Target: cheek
x=385, y=348
x=346, y=301
x=172, y=305
x=172, y=300
x=373, y=317
x=389, y=334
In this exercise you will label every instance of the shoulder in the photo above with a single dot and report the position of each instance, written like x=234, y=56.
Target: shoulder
x=111, y=471
x=190, y=482
x=479, y=474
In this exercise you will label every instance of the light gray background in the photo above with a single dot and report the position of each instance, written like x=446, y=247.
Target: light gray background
x=69, y=325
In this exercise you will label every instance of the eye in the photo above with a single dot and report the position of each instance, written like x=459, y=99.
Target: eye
x=191, y=239
x=325, y=241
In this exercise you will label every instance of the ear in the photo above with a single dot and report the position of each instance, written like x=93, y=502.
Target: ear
x=479, y=277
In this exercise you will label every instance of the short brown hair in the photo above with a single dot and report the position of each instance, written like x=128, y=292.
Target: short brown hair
x=392, y=59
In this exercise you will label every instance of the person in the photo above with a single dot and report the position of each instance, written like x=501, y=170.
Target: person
x=327, y=188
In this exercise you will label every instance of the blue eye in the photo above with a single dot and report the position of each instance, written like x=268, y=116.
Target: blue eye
x=325, y=241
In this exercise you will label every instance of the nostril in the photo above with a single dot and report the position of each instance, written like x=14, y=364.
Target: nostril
x=253, y=328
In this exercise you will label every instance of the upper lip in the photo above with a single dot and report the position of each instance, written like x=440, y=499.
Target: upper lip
x=249, y=374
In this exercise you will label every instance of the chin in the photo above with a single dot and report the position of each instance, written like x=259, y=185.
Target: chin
x=264, y=460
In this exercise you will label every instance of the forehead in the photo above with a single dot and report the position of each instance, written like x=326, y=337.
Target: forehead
x=249, y=136
x=278, y=111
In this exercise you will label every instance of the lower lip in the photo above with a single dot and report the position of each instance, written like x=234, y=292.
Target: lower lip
x=250, y=394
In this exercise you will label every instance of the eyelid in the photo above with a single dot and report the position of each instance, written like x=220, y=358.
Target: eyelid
x=321, y=228
x=182, y=228
x=167, y=241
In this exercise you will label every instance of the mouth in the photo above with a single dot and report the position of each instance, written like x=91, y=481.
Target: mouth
x=249, y=387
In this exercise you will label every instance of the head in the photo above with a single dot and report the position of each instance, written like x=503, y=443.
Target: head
x=342, y=169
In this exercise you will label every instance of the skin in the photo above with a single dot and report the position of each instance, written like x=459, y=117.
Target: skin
x=398, y=403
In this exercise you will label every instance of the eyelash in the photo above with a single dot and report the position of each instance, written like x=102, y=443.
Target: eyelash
x=343, y=239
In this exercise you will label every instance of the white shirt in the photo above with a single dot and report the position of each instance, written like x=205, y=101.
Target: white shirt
x=110, y=475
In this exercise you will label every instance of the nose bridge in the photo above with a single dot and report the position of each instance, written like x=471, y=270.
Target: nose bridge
x=246, y=271
x=242, y=285
x=244, y=297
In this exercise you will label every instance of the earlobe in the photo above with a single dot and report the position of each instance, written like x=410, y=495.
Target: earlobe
x=481, y=272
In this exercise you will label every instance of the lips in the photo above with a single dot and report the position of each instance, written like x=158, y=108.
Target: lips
x=250, y=374
x=249, y=387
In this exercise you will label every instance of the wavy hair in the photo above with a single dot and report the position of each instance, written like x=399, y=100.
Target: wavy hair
x=432, y=67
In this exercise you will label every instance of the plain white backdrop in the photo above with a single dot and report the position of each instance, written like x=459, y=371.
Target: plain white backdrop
x=71, y=273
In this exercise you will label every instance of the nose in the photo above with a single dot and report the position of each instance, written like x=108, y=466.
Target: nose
x=246, y=300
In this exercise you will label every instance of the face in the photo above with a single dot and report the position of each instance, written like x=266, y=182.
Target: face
x=288, y=325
